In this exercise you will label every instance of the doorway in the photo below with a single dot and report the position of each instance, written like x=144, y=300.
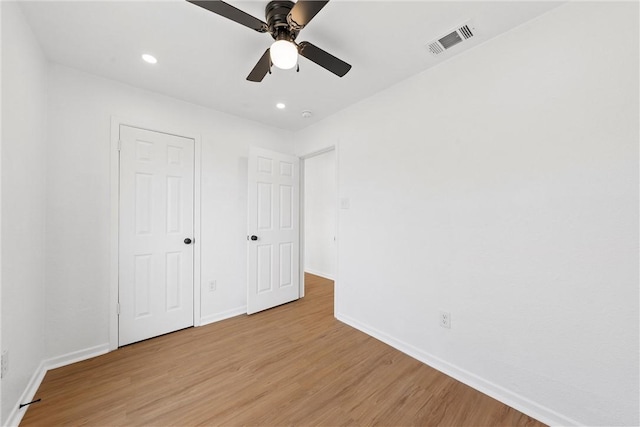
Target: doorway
x=320, y=198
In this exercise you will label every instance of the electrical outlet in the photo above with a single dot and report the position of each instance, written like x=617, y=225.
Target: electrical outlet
x=213, y=285
x=445, y=319
x=4, y=364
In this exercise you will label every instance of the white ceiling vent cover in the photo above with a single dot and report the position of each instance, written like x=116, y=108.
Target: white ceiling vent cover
x=447, y=41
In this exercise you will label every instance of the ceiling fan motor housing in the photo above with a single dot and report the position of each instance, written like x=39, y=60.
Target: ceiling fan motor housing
x=276, y=13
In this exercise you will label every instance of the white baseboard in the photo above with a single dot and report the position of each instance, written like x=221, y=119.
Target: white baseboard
x=76, y=356
x=16, y=414
x=508, y=397
x=36, y=379
x=216, y=317
x=319, y=273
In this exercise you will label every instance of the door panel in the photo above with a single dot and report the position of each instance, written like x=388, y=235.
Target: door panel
x=273, y=259
x=156, y=215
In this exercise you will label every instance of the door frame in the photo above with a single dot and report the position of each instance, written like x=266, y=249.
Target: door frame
x=303, y=158
x=114, y=169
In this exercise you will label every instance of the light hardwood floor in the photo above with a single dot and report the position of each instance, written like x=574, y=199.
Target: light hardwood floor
x=291, y=365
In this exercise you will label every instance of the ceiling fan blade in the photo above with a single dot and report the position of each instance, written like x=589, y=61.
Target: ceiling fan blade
x=323, y=59
x=304, y=11
x=230, y=12
x=261, y=69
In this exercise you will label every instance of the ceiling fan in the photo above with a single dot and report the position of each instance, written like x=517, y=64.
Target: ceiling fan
x=284, y=19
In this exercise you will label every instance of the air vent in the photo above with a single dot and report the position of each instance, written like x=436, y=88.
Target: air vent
x=436, y=48
x=447, y=41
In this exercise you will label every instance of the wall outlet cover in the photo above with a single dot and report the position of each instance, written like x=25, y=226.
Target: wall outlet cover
x=4, y=364
x=445, y=319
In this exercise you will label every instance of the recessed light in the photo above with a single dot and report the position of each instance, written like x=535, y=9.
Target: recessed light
x=280, y=106
x=149, y=58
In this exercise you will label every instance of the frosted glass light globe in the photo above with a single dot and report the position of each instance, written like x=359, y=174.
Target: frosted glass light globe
x=284, y=54
x=149, y=58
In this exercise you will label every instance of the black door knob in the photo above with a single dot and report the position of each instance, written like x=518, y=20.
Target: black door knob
x=187, y=241
x=254, y=237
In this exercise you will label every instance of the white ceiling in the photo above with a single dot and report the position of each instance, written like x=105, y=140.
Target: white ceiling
x=204, y=58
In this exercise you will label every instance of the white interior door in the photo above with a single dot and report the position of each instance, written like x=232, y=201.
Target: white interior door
x=156, y=234
x=273, y=238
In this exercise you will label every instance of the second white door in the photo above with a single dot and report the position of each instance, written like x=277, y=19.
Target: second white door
x=156, y=234
x=273, y=213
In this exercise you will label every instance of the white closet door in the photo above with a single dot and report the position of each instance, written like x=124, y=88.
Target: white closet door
x=156, y=234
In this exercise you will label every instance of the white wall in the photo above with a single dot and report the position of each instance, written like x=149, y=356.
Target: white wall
x=24, y=86
x=80, y=110
x=320, y=214
x=502, y=186
x=1, y=209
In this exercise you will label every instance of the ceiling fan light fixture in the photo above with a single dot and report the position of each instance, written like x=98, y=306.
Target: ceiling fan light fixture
x=284, y=20
x=284, y=54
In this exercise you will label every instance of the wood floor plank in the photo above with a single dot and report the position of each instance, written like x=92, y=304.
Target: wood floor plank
x=291, y=365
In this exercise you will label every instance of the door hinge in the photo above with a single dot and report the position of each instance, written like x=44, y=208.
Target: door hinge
x=118, y=309
x=119, y=144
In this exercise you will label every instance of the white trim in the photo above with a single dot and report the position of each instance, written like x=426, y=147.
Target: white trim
x=326, y=149
x=114, y=226
x=197, y=273
x=216, y=317
x=301, y=229
x=506, y=396
x=318, y=273
x=336, y=288
x=76, y=356
x=16, y=414
x=116, y=122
